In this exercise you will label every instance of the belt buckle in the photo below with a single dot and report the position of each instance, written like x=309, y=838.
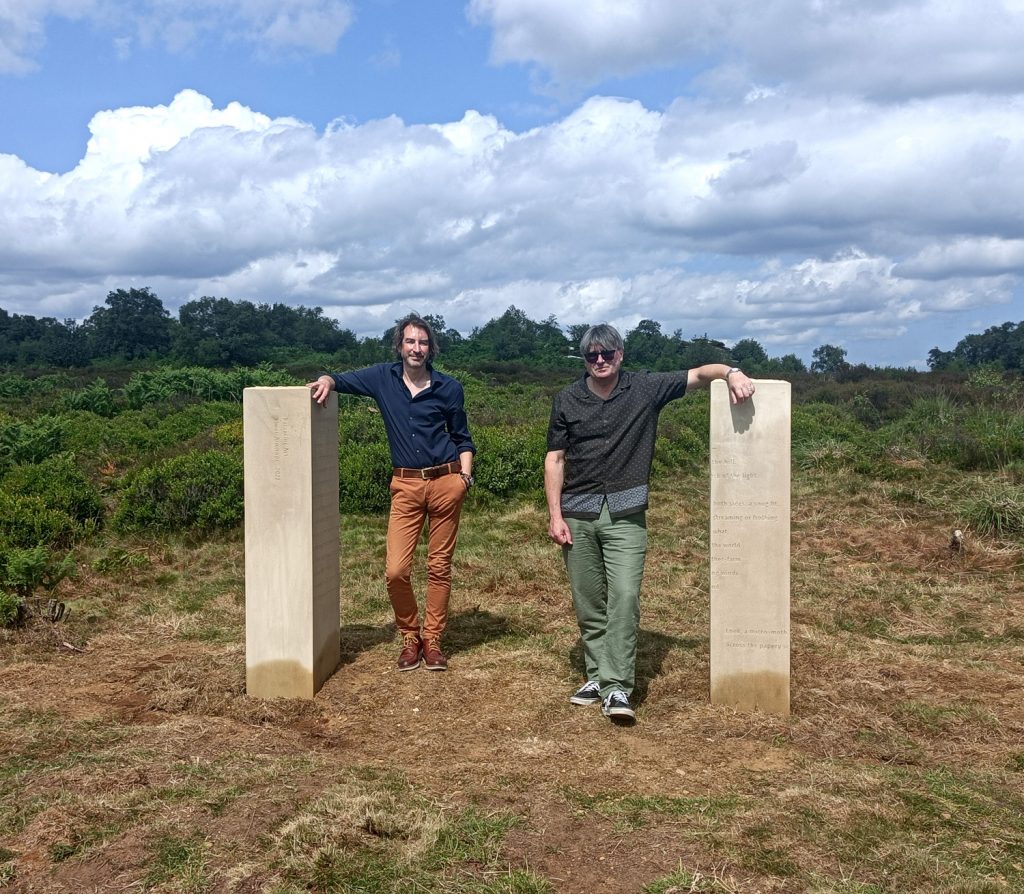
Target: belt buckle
x=423, y=475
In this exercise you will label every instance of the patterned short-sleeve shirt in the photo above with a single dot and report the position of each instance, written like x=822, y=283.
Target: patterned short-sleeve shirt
x=609, y=444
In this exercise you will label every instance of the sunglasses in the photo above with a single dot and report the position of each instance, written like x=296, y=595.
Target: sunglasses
x=606, y=356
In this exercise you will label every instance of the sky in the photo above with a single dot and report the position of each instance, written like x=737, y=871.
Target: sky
x=799, y=172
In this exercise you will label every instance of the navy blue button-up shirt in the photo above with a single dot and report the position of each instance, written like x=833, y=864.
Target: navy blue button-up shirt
x=426, y=430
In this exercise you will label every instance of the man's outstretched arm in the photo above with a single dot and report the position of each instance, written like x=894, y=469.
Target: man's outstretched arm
x=741, y=386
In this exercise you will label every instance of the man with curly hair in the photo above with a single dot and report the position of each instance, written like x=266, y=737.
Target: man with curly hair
x=432, y=454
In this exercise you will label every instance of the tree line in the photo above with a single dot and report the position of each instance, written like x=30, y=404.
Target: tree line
x=133, y=324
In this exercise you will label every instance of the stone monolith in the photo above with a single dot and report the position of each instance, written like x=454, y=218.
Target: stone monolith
x=750, y=505
x=292, y=618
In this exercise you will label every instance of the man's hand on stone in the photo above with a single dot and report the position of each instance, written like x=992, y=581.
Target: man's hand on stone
x=741, y=387
x=321, y=388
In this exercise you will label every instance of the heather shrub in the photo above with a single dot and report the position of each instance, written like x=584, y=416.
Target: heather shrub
x=27, y=520
x=61, y=484
x=364, y=474
x=195, y=492
x=510, y=460
x=684, y=440
x=359, y=422
x=134, y=435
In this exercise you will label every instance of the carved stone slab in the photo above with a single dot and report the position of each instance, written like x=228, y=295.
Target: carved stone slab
x=750, y=536
x=292, y=617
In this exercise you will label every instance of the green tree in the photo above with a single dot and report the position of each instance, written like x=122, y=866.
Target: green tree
x=65, y=344
x=133, y=324
x=700, y=351
x=221, y=332
x=1002, y=345
x=646, y=345
x=829, y=360
x=748, y=354
x=788, y=364
x=576, y=331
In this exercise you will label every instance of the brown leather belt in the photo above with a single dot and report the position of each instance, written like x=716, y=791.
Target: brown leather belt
x=430, y=473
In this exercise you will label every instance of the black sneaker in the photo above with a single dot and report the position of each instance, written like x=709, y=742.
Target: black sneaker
x=588, y=694
x=616, y=706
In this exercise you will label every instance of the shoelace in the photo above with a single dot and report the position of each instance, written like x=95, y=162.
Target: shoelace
x=617, y=699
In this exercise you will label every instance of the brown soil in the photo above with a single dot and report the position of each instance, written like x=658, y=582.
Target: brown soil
x=497, y=731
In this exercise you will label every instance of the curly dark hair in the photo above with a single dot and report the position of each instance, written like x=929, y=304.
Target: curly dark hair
x=417, y=321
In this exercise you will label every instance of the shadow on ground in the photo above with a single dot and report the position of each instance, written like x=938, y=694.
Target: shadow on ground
x=472, y=628
x=465, y=631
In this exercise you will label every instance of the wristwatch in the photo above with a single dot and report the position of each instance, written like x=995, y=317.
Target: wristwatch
x=733, y=369
x=469, y=479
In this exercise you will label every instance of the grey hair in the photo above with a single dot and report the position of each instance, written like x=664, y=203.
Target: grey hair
x=602, y=334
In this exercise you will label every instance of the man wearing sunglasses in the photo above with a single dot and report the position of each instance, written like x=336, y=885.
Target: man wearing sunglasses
x=596, y=473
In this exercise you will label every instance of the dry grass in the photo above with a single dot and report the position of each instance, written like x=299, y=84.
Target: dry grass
x=138, y=762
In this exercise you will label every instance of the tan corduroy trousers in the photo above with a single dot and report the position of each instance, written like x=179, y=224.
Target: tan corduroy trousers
x=439, y=503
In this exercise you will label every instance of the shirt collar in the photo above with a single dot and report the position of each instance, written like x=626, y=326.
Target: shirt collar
x=620, y=385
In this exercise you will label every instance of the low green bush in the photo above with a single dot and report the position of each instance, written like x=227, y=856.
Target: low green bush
x=971, y=437
x=195, y=492
x=509, y=460
x=19, y=387
x=359, y=422
x=684, y=434
x=157, y=387
x=10, y=609
x=814, y=423
x=23, y=571
x=133, y=436
x=27, y=520
x=60, y=483
x=364, y=475
x=13, y=385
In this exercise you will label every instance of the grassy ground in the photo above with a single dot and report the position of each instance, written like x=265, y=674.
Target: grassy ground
x=131, y=759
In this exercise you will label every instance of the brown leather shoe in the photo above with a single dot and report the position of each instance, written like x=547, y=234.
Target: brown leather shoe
x=412, y=651
x=433, y=657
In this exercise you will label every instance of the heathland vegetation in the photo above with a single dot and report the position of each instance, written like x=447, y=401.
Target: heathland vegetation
x=131, y=758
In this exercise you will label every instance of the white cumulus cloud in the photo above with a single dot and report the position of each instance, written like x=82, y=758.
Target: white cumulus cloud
x=775, y=218
x=881, y=48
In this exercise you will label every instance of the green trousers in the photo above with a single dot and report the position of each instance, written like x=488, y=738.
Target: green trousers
x=606, y=567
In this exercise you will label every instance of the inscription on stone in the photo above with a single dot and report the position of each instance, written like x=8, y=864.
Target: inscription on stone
x=750, y=505
x=282, y=426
